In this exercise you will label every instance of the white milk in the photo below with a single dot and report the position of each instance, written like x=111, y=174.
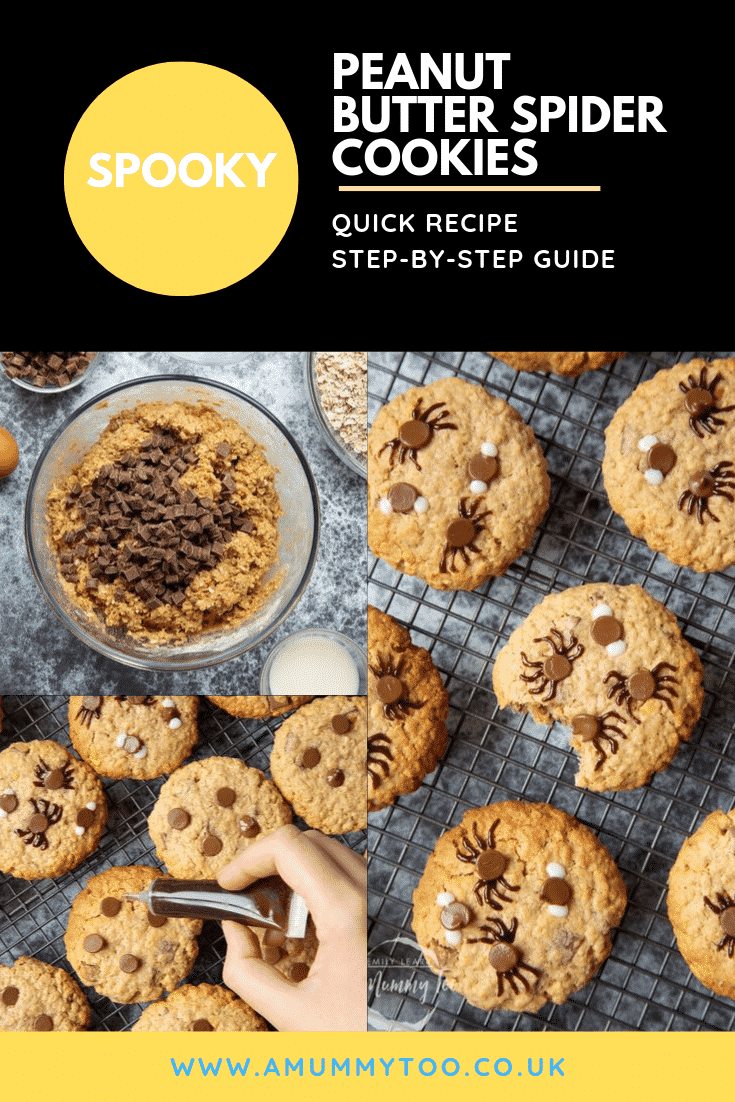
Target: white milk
x=313, y=665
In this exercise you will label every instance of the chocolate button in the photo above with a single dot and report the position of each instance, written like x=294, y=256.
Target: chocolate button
x=460, y=533
x=129, y=963
x=37, y=823
x=225, y=797
x=94, y=943
x=178, y=818
x=10, y=996
x=389, y=689
x=557, y=667
x=662, y=458
x=402, y=497
x=91, y=703
x=606, y=630
x=341, y=724
x=211, y=846
x=249, y=826
x=335, y=778
x=491, y=864
x=110, y=906
x=156, y=920
x=43, y=1024
x=482, y=467
x=727, y=921
x=201, y=1025
x=85, y=817
x=455, y=916
x=702, y=484
x=271, y=954
x=310, y=758
x=274, y=937
x=698, y=402
x=55, y=779
x=8, y=802
x=504, y=957
x=299, y=972
x=641, y=685
x=556, y=891
x=586, y=727
x=414, y=433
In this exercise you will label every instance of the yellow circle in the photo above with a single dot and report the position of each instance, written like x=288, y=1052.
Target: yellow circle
x=184, y=238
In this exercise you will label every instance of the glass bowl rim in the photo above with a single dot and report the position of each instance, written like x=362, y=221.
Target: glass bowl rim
x=330, y=434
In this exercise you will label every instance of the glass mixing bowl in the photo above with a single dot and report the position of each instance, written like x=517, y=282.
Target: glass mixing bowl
x=298, y=527
x=332, y=438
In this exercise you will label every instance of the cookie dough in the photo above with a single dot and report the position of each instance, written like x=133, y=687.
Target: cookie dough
x=121, y=950
x=611, y=663
x=133, y=736
x=205, y=1008
x=669, y=465
x=560, y=363
x=457, y=484
x=258, y=707
x=516, y=904
x=319, y=759
x=37, y=998
x=701, y=902
x=408, y=710
x=168, y=528
x=209, y=811
x=52, y=810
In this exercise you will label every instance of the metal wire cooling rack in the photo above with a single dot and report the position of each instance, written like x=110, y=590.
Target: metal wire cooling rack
x=493, y=754
x=34, y=914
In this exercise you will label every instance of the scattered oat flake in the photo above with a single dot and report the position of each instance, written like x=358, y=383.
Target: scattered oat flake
x=342, y=381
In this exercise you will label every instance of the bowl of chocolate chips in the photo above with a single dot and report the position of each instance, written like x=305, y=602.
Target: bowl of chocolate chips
x=47, y=372
x=172, y=523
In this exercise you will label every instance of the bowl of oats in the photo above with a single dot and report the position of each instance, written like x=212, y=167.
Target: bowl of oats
x=336, y=383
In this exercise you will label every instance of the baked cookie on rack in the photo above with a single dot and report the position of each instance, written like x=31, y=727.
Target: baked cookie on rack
x=516, y=905
x=258, y=707
x=318, y=761
x=611, y=663
x=200, y=1008
x=208, y=811
x=559, y=363
x=133, y=736
x=52, y=810
x=407, y=712
x=116, y=946
x=457, y=484
x=701, y=902
x=36, y=997
x=669, y=464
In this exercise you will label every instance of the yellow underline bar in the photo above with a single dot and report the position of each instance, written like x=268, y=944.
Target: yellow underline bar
x=460, y=187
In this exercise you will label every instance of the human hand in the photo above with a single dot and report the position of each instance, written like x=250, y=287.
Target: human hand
x=333, y=881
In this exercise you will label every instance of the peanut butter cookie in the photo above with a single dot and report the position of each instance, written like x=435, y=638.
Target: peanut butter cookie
x=258, y=707
x=37, y=998
x=133, y=736
x=202, y=1008
x=560, y=363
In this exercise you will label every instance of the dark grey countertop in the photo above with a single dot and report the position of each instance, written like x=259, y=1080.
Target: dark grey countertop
x=40, y=655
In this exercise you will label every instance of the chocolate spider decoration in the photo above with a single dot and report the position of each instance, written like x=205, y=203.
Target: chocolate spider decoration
x=701, y=404
x=45, y=814
x=725, y=908
x=641, y=686
x=504, y=957
x=595, y=729
x=490, y=864
x=47, y=777
x=376, y=753
x=704, y=485
x=417, y=433
x=137, y=699
x=461, y=534
x=89, y=709
x=390, y=689
x=556, y=667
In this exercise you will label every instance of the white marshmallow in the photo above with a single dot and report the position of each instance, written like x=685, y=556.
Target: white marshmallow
x=385, y=507
x=488, y=449
x=174, y=723
x=444, y=899
x=142, y=753
x=120, y=740
x=616, y=649
x=558, y=912
x=477, y=487
x=168, y=702
x=420, y=505
x=453, y=937
x=653, y=477
x=601, y=610
x=557, y=871
x=646, y=443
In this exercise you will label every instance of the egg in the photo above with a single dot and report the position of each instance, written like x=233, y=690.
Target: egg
x=8, y=453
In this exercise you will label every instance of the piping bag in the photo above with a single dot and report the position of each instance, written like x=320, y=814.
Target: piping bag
x=269, y=903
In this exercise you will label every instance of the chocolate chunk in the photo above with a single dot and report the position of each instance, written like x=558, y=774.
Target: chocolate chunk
x=178, y=818
x=274, y=937
x=85, y=817
x=201, y=1025
x=46, y=368
x=491, y=864
x=225, y=797
x=335, y=778
x=249, y=826
x=10, y=996
x=93, y=943
x=211, y=846
x=156, y=920
x=271, y=954
x=309, y=758
x=43, y=1024
x=341, y=724
x=110, y=906
x=129, y=963
x=8, y=802
x=223, y=449
x=298, y=972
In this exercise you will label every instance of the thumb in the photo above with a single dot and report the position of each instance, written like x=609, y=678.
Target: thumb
x=261, y=985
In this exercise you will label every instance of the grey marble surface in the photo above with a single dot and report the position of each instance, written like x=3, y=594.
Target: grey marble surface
x=40, y=655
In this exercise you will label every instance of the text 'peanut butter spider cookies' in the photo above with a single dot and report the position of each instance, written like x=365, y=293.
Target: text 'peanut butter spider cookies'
x=611, y=663
x=669, y=465
x=52, y=810
x=209, y=811
x=559, y=363
x=701, y=902
x=407, y=712
x=118, y=947
x=319, y=762
x=516, y=904
x=133, y=736
x=457, y=484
